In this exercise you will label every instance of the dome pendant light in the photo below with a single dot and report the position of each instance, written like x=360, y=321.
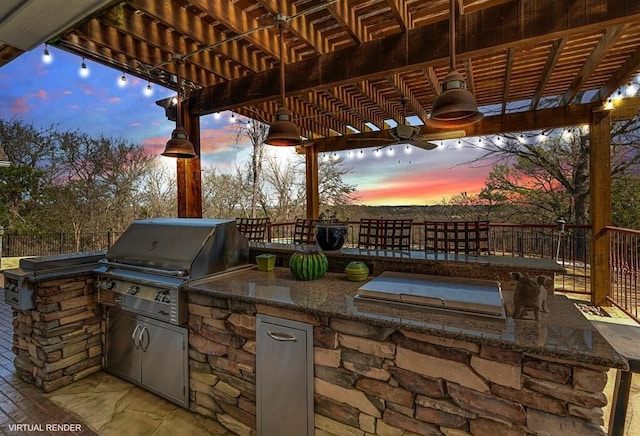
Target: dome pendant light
x=283, y=132
x=179, y=145
x=456, y=106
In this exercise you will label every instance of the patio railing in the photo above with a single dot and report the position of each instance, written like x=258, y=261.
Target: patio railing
x=624, y=263
x=569, y=246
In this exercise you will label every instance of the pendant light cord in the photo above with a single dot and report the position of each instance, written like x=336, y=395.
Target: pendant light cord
x=179, y=79
x=452, y=34
x=282, y=90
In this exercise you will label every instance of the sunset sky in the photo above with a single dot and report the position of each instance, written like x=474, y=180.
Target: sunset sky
x=55, y=93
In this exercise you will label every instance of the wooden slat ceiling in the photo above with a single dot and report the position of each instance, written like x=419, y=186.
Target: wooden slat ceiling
x=349, y=62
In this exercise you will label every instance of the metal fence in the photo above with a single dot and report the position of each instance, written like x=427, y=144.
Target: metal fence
x=569, y=246
x=624, y=264
x=14, y=245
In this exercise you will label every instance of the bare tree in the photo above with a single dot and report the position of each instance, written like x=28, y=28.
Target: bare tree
x=157, y=191
x=257, y=132
x=547, y=173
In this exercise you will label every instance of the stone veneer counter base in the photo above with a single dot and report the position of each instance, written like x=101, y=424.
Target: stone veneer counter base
x=380, y=370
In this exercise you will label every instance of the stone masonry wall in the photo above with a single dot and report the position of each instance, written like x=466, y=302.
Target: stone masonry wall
x=372, y=380
x=60, y=341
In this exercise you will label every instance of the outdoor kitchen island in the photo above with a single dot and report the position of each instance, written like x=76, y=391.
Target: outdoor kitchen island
x=376, y=368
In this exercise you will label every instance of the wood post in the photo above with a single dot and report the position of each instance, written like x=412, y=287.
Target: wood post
x=189, y=179
x=600, y=204
x=312, y=180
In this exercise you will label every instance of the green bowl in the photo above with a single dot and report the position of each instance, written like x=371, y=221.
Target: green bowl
x=357, y=271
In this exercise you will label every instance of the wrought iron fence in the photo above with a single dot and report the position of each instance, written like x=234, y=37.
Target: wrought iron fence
x=15, y=245
x=569, y=246
x=624, y=264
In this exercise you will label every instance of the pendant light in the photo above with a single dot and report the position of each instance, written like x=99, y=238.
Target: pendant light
x=456, y=106
x=283, y=132
x=179, y=145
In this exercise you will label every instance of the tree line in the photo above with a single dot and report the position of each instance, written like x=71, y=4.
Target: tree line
x=70, y=182
x=62, y=181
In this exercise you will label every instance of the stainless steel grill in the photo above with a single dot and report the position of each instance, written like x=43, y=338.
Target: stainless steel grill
x=148, y=266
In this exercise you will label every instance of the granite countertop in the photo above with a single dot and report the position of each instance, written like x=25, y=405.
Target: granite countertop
x=563, y=333
x=419, y=256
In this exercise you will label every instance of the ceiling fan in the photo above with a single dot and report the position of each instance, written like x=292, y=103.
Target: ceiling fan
x=407, y=134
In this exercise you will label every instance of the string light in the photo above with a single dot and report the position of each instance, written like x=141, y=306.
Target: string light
x=390, y=151
x=148, y=91
x=522, y=139
x=84, y=71
x=459, y=145
x=631, y=89
x=618, y=95
x=123, y=81
x=232, y=118
x=46, y=56
x=217, y=115
x=407, y=149
x=361, y=154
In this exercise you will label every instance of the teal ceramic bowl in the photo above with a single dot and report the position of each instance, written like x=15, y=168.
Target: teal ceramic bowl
x=356, y=271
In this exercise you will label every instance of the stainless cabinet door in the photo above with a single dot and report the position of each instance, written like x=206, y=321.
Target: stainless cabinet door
x=123, y=359
x=284, y=372
x=164, y=368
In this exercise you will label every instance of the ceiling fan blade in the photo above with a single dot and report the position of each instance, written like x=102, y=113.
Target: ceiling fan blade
x=445, y=134
x=425, y=145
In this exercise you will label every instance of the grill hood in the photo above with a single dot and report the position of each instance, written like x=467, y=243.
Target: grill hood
x=190, y=247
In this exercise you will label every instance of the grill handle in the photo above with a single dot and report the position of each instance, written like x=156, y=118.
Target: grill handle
x=177, y=272
x=136, y=343
x=142, y=337
x=282, y=337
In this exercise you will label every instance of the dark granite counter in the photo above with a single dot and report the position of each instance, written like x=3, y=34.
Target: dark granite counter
x=440, y=264
x=564, y=333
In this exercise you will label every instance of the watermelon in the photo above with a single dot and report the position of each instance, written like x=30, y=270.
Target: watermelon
x=308, y=265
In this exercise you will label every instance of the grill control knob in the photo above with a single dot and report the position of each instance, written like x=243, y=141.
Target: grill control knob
x=133, y=290
x=108, y=284
x=166, y=298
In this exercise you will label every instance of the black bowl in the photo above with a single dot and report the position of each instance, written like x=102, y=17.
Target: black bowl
x=331, y=236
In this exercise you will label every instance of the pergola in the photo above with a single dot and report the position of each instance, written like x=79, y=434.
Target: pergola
x=349, y=63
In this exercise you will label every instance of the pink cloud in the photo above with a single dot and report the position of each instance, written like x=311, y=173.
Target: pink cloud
x=424, y=187
x=114, y=100
x=135, y=124
x=216, y=140
x=88, y=90
x=67, y=92
x=20, y=105
x=155, y=145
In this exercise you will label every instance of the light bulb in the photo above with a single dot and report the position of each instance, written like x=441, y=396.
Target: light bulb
x=46, y=56
x=122, y=82
x=148, y=91
x=216, y=115
x=232, y=118
x=84, y=71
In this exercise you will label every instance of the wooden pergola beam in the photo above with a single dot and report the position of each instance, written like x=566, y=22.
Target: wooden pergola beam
x=493, y=29
x=540, y=119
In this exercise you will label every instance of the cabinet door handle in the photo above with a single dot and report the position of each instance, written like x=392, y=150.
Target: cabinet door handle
x=282, y=336
x=133, y=337
x=142, y=336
